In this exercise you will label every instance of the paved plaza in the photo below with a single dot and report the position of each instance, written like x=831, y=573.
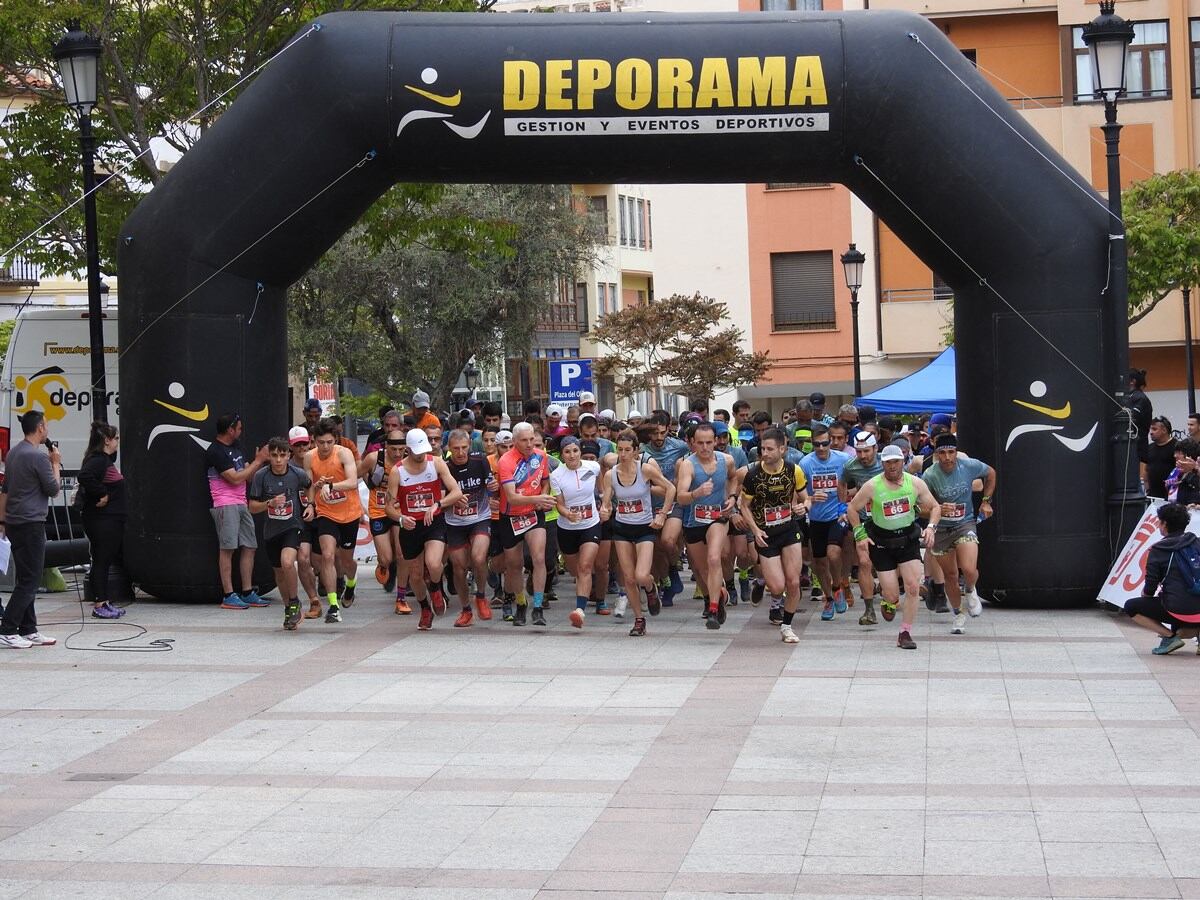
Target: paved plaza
x=1043, y=754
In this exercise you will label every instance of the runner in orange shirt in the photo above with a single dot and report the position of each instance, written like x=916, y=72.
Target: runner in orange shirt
x=334, y=489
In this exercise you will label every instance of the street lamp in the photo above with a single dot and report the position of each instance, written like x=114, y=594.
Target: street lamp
x=471, y=375
x=78, y=57
x=852, y=265
x=1108, y=37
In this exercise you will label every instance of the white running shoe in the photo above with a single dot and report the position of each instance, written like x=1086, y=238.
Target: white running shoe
x=576, y=618
x=620, y=606
x=15, y=641
x=974, y=604
x=960, y=623
x=787, y=635
x=40, y=640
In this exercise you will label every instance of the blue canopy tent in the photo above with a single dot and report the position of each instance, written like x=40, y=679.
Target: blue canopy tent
x=931, y=389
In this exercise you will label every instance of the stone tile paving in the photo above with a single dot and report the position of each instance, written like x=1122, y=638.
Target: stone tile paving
x=1043, y=754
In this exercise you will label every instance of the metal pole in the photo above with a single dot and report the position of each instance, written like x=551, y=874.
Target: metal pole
x=854, y=331
x=95, y=314
x=1187, y=350
x=1126, y=501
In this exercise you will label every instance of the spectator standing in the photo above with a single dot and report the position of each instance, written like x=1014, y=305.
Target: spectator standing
x=32, y=477
x=103, y=488
x=228, y=474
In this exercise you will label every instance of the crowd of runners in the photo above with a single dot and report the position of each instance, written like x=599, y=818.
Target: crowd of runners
x=504, y=514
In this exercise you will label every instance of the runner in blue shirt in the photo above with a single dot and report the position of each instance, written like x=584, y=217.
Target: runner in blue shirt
x=827, y=524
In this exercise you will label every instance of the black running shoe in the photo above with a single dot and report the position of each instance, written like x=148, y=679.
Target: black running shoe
x=731, y=591
x=390, y=584
x=539, y=616
x=756, y=594
x=653, y=604
x=519, y=615
x=776, y=616
x=291, y=615
x=347, y=597
x=333, y=616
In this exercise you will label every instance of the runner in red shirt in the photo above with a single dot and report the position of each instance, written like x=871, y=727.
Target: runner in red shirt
x=524, y=475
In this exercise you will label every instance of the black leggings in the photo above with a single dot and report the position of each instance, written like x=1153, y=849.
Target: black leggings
x=106, y=535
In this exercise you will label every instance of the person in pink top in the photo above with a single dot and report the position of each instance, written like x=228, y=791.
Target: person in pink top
x=228, y=475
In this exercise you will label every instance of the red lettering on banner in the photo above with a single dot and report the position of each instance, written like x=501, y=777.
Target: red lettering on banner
x=1131, y=570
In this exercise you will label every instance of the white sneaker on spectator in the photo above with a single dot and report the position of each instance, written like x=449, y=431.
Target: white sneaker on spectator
x=40, y=640
x=15, y=641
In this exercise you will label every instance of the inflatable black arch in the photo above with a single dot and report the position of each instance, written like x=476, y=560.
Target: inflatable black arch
x=879, y=101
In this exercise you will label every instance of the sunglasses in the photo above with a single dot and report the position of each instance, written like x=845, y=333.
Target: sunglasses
x=821, y=443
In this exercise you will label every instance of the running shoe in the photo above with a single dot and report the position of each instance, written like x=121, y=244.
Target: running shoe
x=464, y=619
x=744, y=589
x=622, y=605
x=712, y=618
x=519, y=618
x=233, y=601
x=775, y=617
x=539, y=617
x=576, y=618
x=252, y=599
x=638, y=629
x=291, y=616
x=787, y=635
x=402, y=607
x=119, y=610
x=41, y=640
x=847, y=593
x=15, y=641
x=927, y=593
x=721, y=608
x=676, y=584
x=731, y=597
x=827, y=612
x=805, y=578
x=960, y=623
x=389, y=584
x=756, y=593
x=888, y=610
x=666, y=595
x=839, y=603
x=333, y=616
x=1165, y=646
x=506, y=611
x=381, y=574
x=482, y=608
x=438, y=601
x=905, y=642
x=104, y=611
x=426, y=619
x=602, y=608
x=314, y=610
x=868, y=617
x=974, y=604
x=347, y=598
x=817, y=595
x=943, y=604
x=653, y=604
x=497, y=601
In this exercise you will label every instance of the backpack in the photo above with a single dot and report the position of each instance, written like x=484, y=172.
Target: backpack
x=1189, y=566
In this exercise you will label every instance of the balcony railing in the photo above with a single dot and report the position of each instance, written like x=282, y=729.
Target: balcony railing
x=916, y=295
x=19, y=272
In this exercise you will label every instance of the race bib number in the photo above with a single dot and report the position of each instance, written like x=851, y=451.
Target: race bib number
x=468, y=511
x=629, y=507
x=336, y=496
x=706, y=513
x=957, y=511
x=522, y=524
x=895, y=508
x=585, y=512
x=824, y=481
x=777, y=515
x=381, y=497
x=282, y=512
x=420, y=501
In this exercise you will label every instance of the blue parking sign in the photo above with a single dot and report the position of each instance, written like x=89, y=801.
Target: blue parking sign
x=569, y=378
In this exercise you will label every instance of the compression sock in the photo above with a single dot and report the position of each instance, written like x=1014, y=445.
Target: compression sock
x=581, y=602
x=538, y=599
x=332, y=598
x=351, y=582
x=787, y=617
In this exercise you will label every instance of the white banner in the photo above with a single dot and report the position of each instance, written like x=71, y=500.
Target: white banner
x=1129, y=572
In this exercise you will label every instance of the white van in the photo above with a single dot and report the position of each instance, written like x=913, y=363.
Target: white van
x=48, y=367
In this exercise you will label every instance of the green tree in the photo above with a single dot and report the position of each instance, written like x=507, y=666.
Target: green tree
x=1162, y=225
x=680, y=343
x=163, y=60
x=406, y=298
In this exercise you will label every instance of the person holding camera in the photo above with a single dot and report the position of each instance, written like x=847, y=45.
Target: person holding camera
x=32, y=476
x=103, y=503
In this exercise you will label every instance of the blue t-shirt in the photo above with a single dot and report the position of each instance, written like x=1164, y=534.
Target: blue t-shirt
x=739, y=456
x=673, y=450
x=822, y=475
x=955, y=487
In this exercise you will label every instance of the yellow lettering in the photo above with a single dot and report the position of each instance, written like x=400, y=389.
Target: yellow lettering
x=558, y=81
x=634, y=83
x=674, y=84
x=808, y=82
x=761, y=82
x=714, y=87
x=522, y=84
x=592, y=75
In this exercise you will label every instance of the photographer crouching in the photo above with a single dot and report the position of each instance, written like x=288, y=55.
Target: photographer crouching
x=31, y=478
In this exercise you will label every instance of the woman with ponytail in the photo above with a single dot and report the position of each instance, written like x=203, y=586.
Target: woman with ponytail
x=103, y=489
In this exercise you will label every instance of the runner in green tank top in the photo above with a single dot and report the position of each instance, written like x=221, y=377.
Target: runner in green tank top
x=892, y=538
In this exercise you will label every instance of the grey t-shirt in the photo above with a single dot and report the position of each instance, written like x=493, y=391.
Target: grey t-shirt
x=29, y=483
x=266, y=484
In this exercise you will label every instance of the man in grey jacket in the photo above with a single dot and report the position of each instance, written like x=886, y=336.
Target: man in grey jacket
x=31, y=478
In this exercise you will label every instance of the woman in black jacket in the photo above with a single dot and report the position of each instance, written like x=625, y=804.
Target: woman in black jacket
x=103, y=489
x=1176, y=605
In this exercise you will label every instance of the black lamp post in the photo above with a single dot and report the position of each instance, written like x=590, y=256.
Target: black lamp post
x=1187, y=350
x=1108, y=37
x=852, y=265
x=78, y=56
x=471, y=375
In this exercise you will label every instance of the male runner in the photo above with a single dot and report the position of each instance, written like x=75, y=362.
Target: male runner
x=823, y=467
x=524, y=476
x=300, y=442
x=334, y=488
x=277, y=490
x=956, y=545
x=892, y=539
x=706, y=483
x=855, y=474
x=468, y=526
x=667, y=452
x=375, y=468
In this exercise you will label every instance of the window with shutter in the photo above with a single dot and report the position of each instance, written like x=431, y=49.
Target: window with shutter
x=802, y=291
